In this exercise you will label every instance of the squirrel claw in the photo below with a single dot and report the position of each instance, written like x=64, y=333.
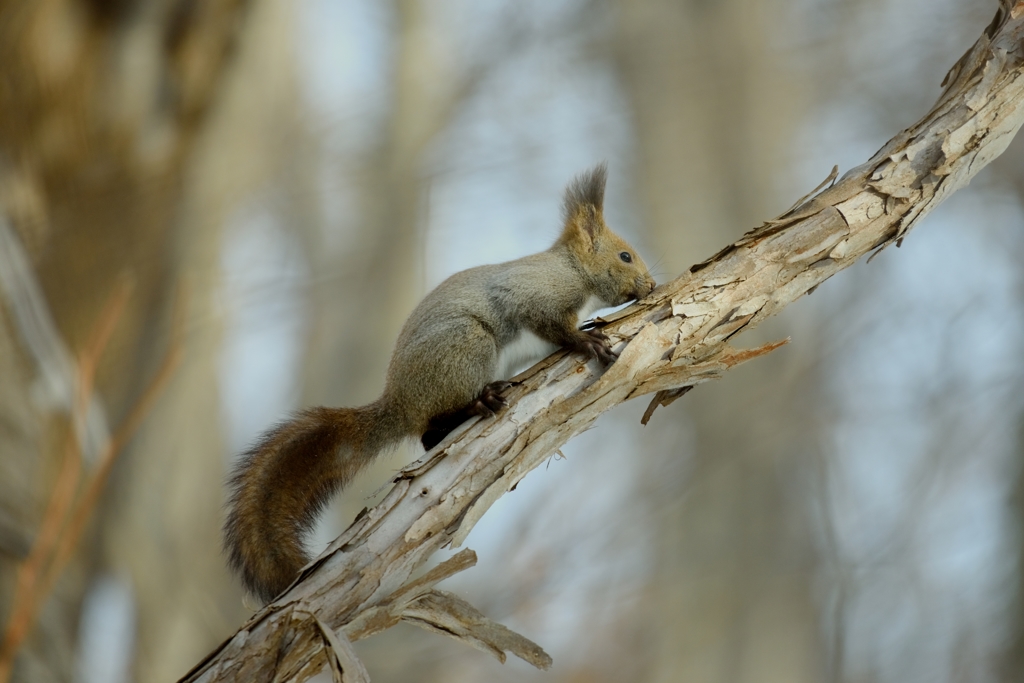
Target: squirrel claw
x=478, y=407
x=597, y=344
x=490, y=400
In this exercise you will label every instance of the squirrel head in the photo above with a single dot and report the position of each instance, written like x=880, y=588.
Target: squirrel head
x=617, y=272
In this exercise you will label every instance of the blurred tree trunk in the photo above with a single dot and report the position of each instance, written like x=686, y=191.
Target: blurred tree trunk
x=377, y=277
x=1012, y=668
x=165, y=522
x=1010, y=169
x=101, y=104
x=381, y=267
x=713, y=112
x=1012, y=664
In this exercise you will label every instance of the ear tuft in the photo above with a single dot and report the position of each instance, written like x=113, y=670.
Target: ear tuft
x=586, y=189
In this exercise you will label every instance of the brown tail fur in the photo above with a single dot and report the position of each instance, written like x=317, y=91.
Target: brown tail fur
x=283, y=482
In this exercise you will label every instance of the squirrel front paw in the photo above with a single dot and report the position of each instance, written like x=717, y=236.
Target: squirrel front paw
x=597, y=344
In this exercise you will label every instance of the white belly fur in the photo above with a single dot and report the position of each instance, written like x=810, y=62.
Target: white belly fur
x=527, y=348
x=587, y=309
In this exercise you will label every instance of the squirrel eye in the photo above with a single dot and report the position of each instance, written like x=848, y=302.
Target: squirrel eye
x=626, y=257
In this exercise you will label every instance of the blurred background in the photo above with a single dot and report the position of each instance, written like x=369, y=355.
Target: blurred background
x=850, y=508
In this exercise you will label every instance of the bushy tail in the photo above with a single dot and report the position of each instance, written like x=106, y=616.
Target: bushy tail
x=281, y=484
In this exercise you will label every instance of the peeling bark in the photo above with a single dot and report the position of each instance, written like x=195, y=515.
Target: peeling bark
x=674, y=339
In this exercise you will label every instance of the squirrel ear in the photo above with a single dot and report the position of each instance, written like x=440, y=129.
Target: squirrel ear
x=582, y=232
x=583, y=205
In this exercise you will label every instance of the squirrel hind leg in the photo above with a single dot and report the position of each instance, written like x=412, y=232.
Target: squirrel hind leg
x=489, y=402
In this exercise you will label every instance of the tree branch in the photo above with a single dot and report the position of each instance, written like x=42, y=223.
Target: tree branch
x=674, y=339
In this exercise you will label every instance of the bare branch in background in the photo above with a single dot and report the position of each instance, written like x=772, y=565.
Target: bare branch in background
x=676, y=338
x=58, y=379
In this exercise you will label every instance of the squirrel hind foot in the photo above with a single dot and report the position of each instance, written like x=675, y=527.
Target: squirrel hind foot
x=489, y=402
x=490, y=399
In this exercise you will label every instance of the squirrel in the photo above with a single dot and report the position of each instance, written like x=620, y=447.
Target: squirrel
x=451, y=362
